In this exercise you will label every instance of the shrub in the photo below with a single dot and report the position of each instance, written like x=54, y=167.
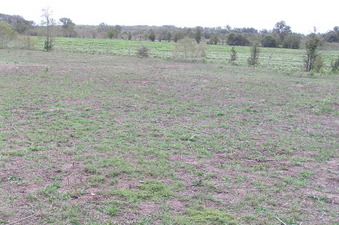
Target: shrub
x=151, y=35
x=318, y=63
x=312, y=43
x=143, y=51
x=269, y=42
x=189, y=50
x=253, y=60
x=214, y=40
x=26, y=42
x=237, y=40
x=7, y=33
x=292, y=41
x=335, y=65
x=48, y=44
x=233, y=55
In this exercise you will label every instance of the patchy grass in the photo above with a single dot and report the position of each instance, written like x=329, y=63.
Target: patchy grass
x=100, y=139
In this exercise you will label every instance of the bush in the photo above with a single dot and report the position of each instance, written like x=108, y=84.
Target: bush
x=188, y=49
x=214, y=40
x=335, y=65
x=151, y=35
x=233, y=55
x=253, y=60
x=318, y=63
x=48, y=44
x=27, y=42
x=292, y=41
x=143, y=51
x=312, y=44
x=7, y=33
x=269, y=42
x=237, y=40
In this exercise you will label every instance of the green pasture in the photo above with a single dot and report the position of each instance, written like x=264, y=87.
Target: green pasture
x=274, y=59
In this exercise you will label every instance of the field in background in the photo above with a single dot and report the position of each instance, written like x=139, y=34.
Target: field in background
x=286, y=60
x=102, y=139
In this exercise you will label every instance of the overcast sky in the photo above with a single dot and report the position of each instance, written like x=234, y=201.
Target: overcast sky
x=301, y=15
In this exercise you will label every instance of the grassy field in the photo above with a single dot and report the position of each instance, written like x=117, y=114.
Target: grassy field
x=102, y=139
x=286, y=60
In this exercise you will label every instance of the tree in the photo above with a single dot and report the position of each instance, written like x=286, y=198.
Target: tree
x=253, y=60
x=129, y=35
x=214, y=40
x=178, y=36
x=68, y=26
x=117, y=29
x=332, y=36
x=269, y=42
x=197, y=35
x=48, y=21
x=151, y=35
x=103, y=27
x=312, y=44
x=237, y=40
x=7, y=33
x=169, y=36
x=292, y=41
x=282, y=30
x=111, y=33
x=19, y=24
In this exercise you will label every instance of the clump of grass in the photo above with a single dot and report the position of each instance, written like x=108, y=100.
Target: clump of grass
x=202, y=215
x=112, y=210
x=91, y=169
x=156, y=189
x=149, y=190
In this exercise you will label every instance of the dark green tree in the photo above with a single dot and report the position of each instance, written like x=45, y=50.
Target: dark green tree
x=151, y=35
x=269, y=42
x=237, y=40
x=198, y=34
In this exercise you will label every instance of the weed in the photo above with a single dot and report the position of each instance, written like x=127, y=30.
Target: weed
x=202, y=215
x=91, y=169
x=112, y=210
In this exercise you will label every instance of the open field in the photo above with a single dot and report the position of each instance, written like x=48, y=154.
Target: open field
x=286, y=60
x=102, y=139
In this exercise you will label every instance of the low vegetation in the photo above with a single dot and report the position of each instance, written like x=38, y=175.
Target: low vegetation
x=102, y=139
x=104, y=131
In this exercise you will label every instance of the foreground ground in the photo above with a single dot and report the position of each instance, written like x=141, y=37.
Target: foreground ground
x=88, y=139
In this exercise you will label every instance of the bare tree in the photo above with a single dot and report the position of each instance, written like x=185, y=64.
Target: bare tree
x=48, y=21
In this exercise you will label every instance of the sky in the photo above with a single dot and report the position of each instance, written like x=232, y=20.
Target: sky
x=301, y=15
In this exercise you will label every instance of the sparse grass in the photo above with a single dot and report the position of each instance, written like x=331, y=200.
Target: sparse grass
x=100, y=139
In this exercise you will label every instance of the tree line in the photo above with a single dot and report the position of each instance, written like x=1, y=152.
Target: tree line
x=281, y=34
